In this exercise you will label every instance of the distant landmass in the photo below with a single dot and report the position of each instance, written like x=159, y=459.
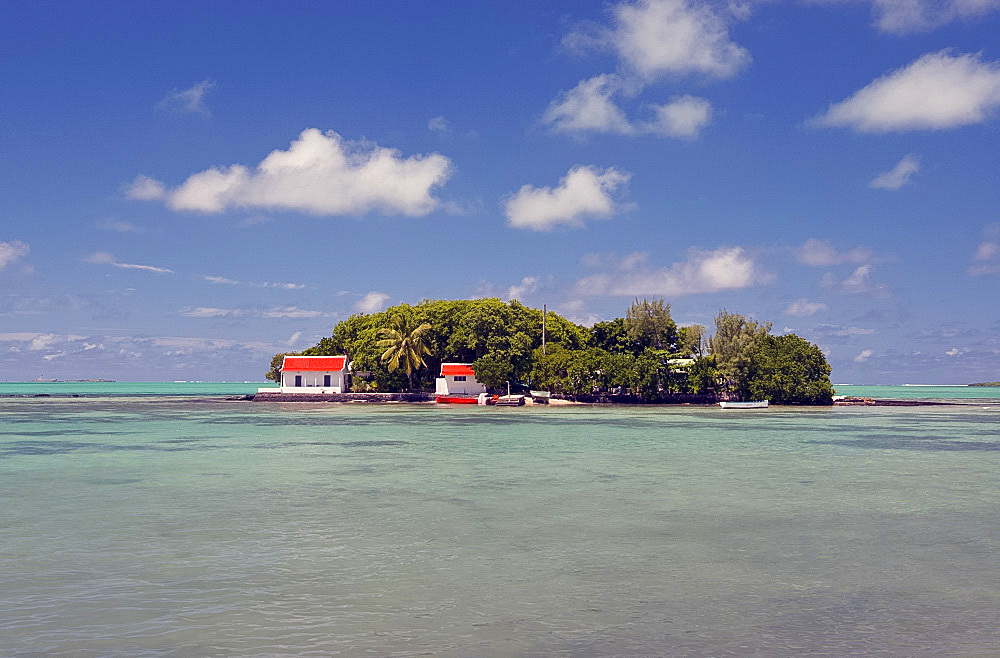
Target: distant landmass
x=986, y=384
x=41, y=380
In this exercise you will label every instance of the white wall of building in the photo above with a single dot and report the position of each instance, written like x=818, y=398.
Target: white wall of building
x=313, y=381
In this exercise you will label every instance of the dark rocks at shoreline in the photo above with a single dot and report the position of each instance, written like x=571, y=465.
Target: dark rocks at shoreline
x=374, y=398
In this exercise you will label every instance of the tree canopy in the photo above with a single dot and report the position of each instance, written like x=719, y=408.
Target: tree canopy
x=643, y=355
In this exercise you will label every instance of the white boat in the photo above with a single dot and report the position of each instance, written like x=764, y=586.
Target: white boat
x=757, y=404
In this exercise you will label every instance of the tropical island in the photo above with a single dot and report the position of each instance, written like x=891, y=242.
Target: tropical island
x=986, y=384
x=643, y=357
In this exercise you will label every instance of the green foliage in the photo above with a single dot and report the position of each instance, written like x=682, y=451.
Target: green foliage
x=649, y=325
x=612, y=336
x=403, y=342
x=689, y=340
x=703, y=376
x=274, y=374
x=786, y=370
x=628, y=355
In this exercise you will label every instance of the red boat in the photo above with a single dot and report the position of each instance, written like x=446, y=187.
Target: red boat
x=456, y=399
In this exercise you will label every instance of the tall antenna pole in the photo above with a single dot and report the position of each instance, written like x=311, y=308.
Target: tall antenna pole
x=545, y=310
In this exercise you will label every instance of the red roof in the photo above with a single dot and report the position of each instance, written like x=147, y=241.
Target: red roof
x=457, y=369
x=313, y=363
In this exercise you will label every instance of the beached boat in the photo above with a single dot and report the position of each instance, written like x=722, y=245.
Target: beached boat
x=510, y=401
x=541, y=397
x=756, y=404
x=456, y=399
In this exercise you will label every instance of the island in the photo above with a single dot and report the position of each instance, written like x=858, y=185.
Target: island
x=641, y=358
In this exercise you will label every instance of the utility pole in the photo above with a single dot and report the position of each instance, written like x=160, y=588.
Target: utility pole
x=545, y=310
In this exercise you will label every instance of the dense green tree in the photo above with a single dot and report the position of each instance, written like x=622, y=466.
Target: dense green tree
x=689, y=340
x=403, y=342
x=649, y=325
x=612, y=336
x=734, y=334
x=786, y=370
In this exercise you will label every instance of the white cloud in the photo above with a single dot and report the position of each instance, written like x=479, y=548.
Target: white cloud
x=589, y=107
x=190, y=100
x=294, y=338
x=938, y=91
x=373, y=302
x=584, y=192
x=144, y=188
x=104, y=258
x=859, y=280
x=899, y=175
x=279, y=312
x=118, y=226
x=673, y=37
x=528, y=285
x=439, y=125
x=863, y=356
x=804, y=308
x=265, y=284
x=987, y=260
x=221, y=279
x=320, y=174
x=725, y=268
x=683, y=117
x=907, y=16
x=11, y=252
x=820, y=253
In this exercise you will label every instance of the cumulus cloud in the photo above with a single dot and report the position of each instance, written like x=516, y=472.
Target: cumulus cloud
x=11, y=252
x=859, y=280
x=987, y=259
x=653, y=38
x=804, y=308
x=820, y=253
x=320, y=173
x=684, y=117
x=584, y=192
x=373, y=302
x=863, y=356
x=908, y=16
x=589, y=107
x=938, y=91
x=899, y=175
x=725, y=268
x=104, y=258
x=190, y=101
x=528, y=285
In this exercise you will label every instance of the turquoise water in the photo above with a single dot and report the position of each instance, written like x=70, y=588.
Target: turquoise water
x=179, y=526
x=104, y=389
x=920, y=392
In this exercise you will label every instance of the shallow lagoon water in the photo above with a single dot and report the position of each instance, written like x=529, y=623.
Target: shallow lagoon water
x=178, y=526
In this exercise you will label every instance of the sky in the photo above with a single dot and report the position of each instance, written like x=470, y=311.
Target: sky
x=187, y=188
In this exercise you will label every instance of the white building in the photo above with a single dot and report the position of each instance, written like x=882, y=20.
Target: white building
x=314, y=374
x=458, y=379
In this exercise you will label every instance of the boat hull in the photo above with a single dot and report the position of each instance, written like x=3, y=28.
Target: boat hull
x=757, y=404
x=456, y=399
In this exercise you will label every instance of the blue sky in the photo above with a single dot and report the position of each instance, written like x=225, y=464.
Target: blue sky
x=188, y=188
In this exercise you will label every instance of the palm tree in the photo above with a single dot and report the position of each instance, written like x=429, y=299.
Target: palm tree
x=404, y=345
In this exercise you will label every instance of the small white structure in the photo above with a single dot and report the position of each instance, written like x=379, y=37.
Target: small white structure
x=314, y=374
x=458, y=379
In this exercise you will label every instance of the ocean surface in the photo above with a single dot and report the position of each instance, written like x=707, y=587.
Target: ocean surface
x=178, y=523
